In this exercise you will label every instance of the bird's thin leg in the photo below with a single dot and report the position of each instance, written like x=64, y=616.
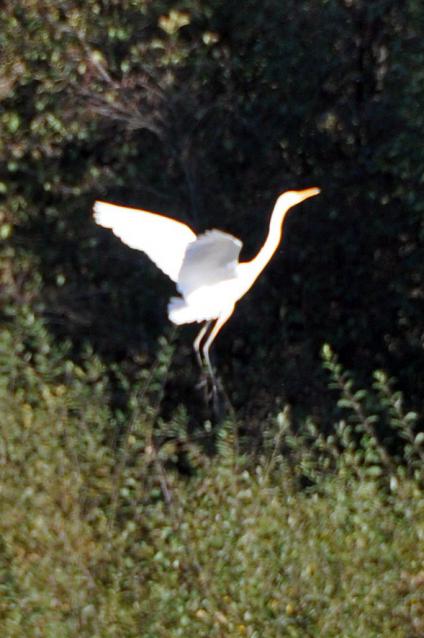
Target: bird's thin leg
x=217, y=327
x=198, y=341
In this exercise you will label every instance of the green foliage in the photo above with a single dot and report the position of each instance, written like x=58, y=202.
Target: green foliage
x=377, y=429
x=103, y=536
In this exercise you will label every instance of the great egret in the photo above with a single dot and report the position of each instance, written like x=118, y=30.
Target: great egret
x=205, y=267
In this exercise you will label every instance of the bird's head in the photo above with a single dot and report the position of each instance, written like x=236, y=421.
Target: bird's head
x=291, y=198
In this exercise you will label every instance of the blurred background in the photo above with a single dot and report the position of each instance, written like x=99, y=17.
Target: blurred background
x=206, y=113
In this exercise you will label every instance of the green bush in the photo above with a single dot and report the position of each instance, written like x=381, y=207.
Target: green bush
x=103, y=535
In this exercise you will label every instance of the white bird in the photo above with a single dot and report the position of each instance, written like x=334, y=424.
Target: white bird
x=205, y=267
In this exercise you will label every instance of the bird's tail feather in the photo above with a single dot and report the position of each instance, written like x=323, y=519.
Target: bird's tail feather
x=179, y=312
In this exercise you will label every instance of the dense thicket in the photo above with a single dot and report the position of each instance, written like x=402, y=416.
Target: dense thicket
x=207, y=112
x=104, y=533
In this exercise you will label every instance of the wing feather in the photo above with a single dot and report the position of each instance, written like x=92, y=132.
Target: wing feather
x=212, y=258
x=163, y=239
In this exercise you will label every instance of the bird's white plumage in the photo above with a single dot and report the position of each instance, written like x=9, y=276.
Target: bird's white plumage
x=205, y=302
x=206, y=269
x=164, y=240
x=209, y=260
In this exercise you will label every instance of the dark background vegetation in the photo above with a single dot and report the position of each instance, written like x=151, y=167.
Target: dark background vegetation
x=206, y=111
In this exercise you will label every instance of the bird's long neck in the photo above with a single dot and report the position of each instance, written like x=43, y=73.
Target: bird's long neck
x=258, y=263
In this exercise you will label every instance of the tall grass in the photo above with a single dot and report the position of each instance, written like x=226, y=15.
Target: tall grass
x=102, y=535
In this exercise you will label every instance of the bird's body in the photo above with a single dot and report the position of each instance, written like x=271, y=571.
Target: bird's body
x=206, y=269
x=205, y=303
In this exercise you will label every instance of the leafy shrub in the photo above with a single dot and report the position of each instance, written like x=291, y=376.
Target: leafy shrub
x=102, y=535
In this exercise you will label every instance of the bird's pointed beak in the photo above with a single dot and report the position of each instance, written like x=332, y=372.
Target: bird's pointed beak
x=308, y=192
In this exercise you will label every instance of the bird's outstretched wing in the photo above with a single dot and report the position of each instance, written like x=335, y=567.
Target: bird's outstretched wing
x=163, y=239
x=212, y=258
